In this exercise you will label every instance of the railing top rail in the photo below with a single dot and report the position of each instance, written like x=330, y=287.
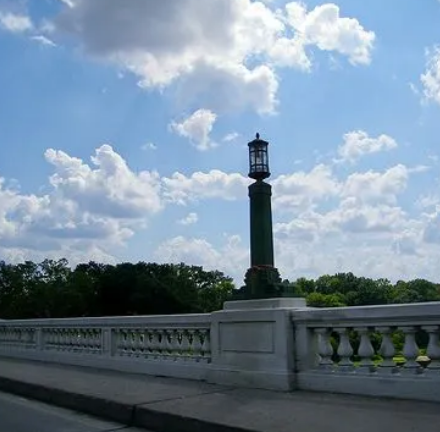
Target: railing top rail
x=138, y=320
x=413, y=312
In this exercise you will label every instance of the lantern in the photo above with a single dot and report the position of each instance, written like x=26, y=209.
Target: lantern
x=258, y=159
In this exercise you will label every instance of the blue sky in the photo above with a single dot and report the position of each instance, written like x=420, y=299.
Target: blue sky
x=124, y=129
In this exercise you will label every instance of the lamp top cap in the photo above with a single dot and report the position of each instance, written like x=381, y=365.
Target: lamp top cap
x=257, y=140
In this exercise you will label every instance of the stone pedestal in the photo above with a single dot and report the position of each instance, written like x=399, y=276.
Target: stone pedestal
x=252, y=344
x=272, y=303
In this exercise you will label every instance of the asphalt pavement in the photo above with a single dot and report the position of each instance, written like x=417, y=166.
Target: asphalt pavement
x=18, y=414
x=175, y=405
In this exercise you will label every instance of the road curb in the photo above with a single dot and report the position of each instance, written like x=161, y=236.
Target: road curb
x=100, y=407
x=130, y=415
x=167, y=422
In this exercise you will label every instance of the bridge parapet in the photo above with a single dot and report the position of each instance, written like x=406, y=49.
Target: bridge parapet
x=280, y=344
x=390, y=350
x=173, y=345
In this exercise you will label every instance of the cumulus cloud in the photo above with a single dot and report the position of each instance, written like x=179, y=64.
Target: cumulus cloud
x=222, y=53
x=355, y=217
x=110, y=189
x=148, y=146
x=91, y=208
x=232, y=136
x=231, y=257
x=15, y=23
x=325, y=28
x=431, y=231
x=197, y=128
x=373, y=186
x=431, y=78
x=301, y=189
x=359, y=143
x=43, y=40
x=182, y=189
x=189, y=219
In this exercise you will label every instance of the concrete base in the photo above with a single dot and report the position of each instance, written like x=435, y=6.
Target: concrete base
x=411, y=386
x=273, y=303
x=267, y=380
x=252, y=344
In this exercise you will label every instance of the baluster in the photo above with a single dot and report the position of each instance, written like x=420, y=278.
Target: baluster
x=197, y=345
x=93, y=336
x=66, y=336
x=87, y=336
x=124, y=342
x=155, y=344
x=20, y=338
x=191, y=335
x=77, y=340
x=136, y=342
x=162, y=343
x=59, y=339
x=131, y=342
x=387, y=351
x=345, y=351
x=325, y=349
x=148, y=350
x=206, y=344
x=366, y=350
x=174, y=345
x=81, y=340
x=48, y=338
x=410, y=350
x=71, y=340
x=118, y=342
x=184, y=345
x=89, y=343
x=32, y=339
x=55, y=338
x=433, y=351
x=167, y=352
x=141, y=342
x=66, y=339
x=99, y=341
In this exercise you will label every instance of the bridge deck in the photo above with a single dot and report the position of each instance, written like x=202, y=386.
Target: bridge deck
x=165, y=404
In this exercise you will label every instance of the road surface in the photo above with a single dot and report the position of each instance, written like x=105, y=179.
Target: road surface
x=18, y=414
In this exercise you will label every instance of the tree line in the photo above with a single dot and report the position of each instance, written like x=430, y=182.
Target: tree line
x=52, y=289
x=346, y=289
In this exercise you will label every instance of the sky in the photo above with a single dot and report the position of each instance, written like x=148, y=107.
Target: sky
x=124, y=127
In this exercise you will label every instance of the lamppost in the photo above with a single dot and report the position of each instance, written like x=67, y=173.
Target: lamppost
x=262, y=279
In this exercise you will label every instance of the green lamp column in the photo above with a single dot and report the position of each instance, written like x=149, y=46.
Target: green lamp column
x=262, y=279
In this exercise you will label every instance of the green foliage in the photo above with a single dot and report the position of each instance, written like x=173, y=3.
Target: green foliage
x=51, y=289
x=317, y=299
x=345, y=289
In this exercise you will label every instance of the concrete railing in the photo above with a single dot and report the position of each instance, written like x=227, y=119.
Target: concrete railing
x=355, y=350
x=174, y=345
x=273, y=344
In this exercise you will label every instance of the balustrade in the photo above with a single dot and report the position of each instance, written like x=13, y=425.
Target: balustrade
x=189, y=342
x=356, y=352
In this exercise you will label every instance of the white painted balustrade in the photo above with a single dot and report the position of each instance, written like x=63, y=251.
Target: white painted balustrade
x=165, y=345
x=370, y=350
x=274, y=344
